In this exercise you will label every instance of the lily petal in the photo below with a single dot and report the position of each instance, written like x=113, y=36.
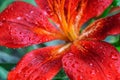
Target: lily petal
x=45, y=5
x=25, y=25
x=92, y=8
x=48, y=7
x=102, y=28
x=39, y=64
x=72, y=6
x=92, y=60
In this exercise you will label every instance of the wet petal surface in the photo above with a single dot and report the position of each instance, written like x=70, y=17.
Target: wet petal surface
x=25, y=25
x=93, y=60
x=37, y=65
x=102, y=28
x=92, y=8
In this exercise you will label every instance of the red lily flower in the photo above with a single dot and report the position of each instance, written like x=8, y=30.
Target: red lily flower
x=84, y=56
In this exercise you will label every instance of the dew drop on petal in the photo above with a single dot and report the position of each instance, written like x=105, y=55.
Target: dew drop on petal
x=1, y=23
x=119, y=18
x=45, y=13
x=81, y=70
x=81, y=77
x=91, y=64
x=31, y=12
x=118, y=70
x=93, y=72
x=102, y=61
x=19, y=18
x=70, y=54
x=114, y=56
x=101, y=47
x=110, y=65
x=11, y=9
x=108, y=76
x=4, y=19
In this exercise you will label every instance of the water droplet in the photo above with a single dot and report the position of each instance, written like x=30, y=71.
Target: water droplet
x=77, y=17
x=45, y=13
x=70, y=54
x=93, y=72
x=11, y=9
x=1, y=23
x=81, y=70
x=119, y=18
x=101, y=47
x=102, y=61
x=118, y=69
x=19, y=18
x=91, y=64
x=108, y=76
x=114, y=56
x=110, y=65
x=86, y=47
x=31, y=12
x=4, y=19
x=27, y=15
x=81, y=77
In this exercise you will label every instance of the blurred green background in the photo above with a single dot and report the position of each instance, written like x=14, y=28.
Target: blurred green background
x=9, y=57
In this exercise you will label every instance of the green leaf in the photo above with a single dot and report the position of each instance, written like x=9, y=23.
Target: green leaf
x=113, y=39
x=106, y=12
x=3, y=73
x=61, y=76
x=118, y=48
x=54, y=42
x=7, y=66
x=30, y=1
x=6, y=58
x=4, y=4
x=116, y=3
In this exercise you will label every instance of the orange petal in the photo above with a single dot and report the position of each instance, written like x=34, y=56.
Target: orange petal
x=39, y=64
x=25, y=25
x=102, y=28
x=92, y=60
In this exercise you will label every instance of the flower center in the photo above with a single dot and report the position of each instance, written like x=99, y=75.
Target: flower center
x=65, y=20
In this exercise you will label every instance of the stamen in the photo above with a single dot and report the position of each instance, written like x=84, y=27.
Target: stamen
x=59, y=9
x=70, y=19
x=66, y=25
x=73, y=29
x=60, y=51
x=41, y=31
x=63, y=48
x=78, y=23
x=69, y=13
x=50, y=4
